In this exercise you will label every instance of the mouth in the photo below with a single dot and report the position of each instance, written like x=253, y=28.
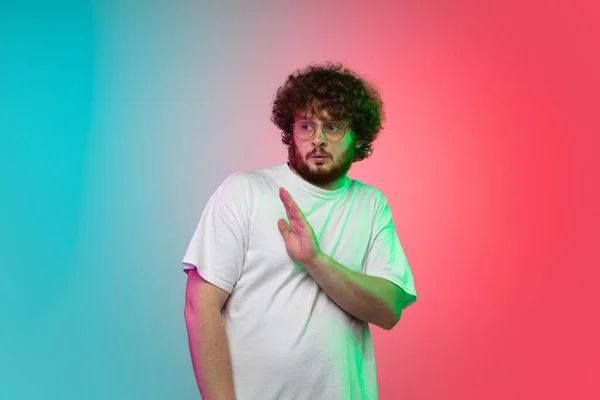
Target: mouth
x=319, y=159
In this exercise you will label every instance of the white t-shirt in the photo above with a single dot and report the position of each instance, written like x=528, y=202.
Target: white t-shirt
x=287, y=338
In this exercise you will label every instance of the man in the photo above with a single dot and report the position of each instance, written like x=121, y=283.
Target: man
x=289, y=264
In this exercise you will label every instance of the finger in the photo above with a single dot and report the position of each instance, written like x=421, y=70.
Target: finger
x=291, y=208
x=283, y=228
x=285, y=204
x=295, y=226
x=288, y=211
x=285, y=197
x=292, y=205
x=297, y=212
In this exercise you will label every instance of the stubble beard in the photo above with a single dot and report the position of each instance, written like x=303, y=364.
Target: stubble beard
x=324, y=174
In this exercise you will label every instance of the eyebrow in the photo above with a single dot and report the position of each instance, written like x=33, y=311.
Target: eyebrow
x=329, y=120
x=299, y=118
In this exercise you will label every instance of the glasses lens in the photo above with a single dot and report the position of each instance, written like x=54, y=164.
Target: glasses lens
x=304, y=129
x=334, y=130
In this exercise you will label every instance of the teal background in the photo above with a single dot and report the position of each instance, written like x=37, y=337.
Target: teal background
x=116, y=126
x=94, y=129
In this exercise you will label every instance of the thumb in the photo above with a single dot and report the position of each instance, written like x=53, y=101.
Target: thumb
x=283, y=228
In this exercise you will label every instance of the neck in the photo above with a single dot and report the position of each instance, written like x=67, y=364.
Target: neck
x=326, y=186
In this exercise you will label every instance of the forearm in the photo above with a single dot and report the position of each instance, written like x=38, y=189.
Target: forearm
x=210, y=354
x=370, y=299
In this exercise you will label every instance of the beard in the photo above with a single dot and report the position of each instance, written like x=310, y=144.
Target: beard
x=321, y=174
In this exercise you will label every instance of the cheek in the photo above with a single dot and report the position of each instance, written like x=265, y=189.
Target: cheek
x=301, y=148
x=342, y=148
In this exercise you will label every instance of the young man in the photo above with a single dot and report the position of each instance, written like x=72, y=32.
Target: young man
x=289, y=264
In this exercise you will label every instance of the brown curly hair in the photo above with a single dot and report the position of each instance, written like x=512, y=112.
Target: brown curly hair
x=336, y=90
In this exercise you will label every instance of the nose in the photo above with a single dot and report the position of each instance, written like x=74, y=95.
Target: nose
x=319, y=139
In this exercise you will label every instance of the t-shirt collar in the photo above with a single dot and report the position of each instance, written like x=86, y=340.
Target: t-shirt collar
x=292, y=178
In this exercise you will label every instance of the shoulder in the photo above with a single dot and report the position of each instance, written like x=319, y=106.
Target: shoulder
x=377, y=203
x=239, y=180
x=369, y=194
x=256, y=179
x=243, y=180
x=240, y=186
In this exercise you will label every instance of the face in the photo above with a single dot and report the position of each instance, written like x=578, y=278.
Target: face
x=327, y=172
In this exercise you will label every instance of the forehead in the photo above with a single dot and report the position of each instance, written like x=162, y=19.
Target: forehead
x=317, y=116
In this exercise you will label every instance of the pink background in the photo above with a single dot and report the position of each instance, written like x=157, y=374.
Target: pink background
x=118, y=119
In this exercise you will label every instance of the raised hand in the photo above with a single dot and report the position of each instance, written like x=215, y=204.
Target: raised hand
x=299, y=237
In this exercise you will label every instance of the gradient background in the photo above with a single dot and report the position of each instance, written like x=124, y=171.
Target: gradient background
x=118, y=119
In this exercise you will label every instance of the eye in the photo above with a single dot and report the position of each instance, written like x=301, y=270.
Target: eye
x=305, y=126
x=334, y=127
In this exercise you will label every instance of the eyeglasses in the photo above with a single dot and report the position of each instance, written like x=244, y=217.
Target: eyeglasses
x=333, y=130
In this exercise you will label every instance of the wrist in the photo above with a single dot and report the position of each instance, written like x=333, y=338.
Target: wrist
x=317, y=262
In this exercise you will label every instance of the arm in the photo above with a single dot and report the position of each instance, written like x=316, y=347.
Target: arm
x=207, y=338
x=368, y=298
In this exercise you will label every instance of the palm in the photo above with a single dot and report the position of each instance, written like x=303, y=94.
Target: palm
x=300, y=240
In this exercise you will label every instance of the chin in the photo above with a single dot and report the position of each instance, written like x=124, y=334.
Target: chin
x=321, y=166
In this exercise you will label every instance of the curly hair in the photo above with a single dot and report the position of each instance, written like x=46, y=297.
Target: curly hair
x=336, y=90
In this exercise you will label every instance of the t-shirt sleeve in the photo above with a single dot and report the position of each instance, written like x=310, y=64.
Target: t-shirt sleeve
x=219, y=243
x=385, y=257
